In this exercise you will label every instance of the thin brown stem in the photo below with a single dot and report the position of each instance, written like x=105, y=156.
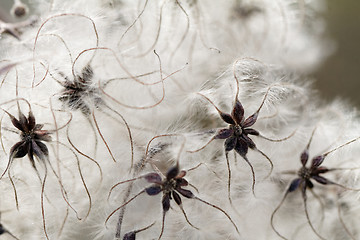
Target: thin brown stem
x=253, y=174
x=208, y=168
x=17, y=89
x=15, y=192
x=341, y=146
x=263, y=101
x=164, y=135
x=102, y=137
x=1, y=136
x=83, y=154
x=86, y=188
x=122, y=212
x=198, y=150
x=269, y=160
x=119, y=183
x=186, y=218
x=186, y=30
x=8, y=165
x=129, y=133
x=63, y=223
x=307, y=215
x=343, y=186
x=145, y=228
x=221, y=210
x=273, y=214
x=42, y=203
x=44, y=77
x=278, y=140
x=229, y=177
x=201, y=33
x=162, y=225
x=80, y=172
x=128, y=78
x=62, y=41
x=137, y=170
x=211, y=102
x=311, y=137
x=322, y=205
x=134, y=22
x=63, y=190
x=157, y=35
x=55, y=122
x=347, y=230
x=117, y=209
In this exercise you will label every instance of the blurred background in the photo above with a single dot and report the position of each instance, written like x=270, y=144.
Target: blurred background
x=339, y=75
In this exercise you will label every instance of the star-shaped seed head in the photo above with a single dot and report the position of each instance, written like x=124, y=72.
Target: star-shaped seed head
x=236, y=134
x=171, y=186
x=32, y=137
x=313, y=172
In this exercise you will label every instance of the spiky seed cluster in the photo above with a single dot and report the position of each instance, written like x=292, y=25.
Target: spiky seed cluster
x=77, y=91
x=32, y=138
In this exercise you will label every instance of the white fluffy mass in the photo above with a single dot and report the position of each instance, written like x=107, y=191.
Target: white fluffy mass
x=127, y=88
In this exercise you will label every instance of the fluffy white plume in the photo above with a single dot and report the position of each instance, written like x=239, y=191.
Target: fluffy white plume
x=219, y=89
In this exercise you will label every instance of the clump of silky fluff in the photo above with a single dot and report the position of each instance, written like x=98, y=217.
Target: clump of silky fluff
x=158, y=71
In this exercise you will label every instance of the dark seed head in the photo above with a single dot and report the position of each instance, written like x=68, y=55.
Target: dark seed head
x=304, y=173
x=27, y=136
x=20, y=11
x=154, y=190
x=129, y=236
x=169, y=185
x=294, y=185
x=2, y=229
x=172, y=173
x=237, y=130
x=166, y=202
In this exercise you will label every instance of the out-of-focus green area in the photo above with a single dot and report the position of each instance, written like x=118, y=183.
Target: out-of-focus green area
x=340, y=73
